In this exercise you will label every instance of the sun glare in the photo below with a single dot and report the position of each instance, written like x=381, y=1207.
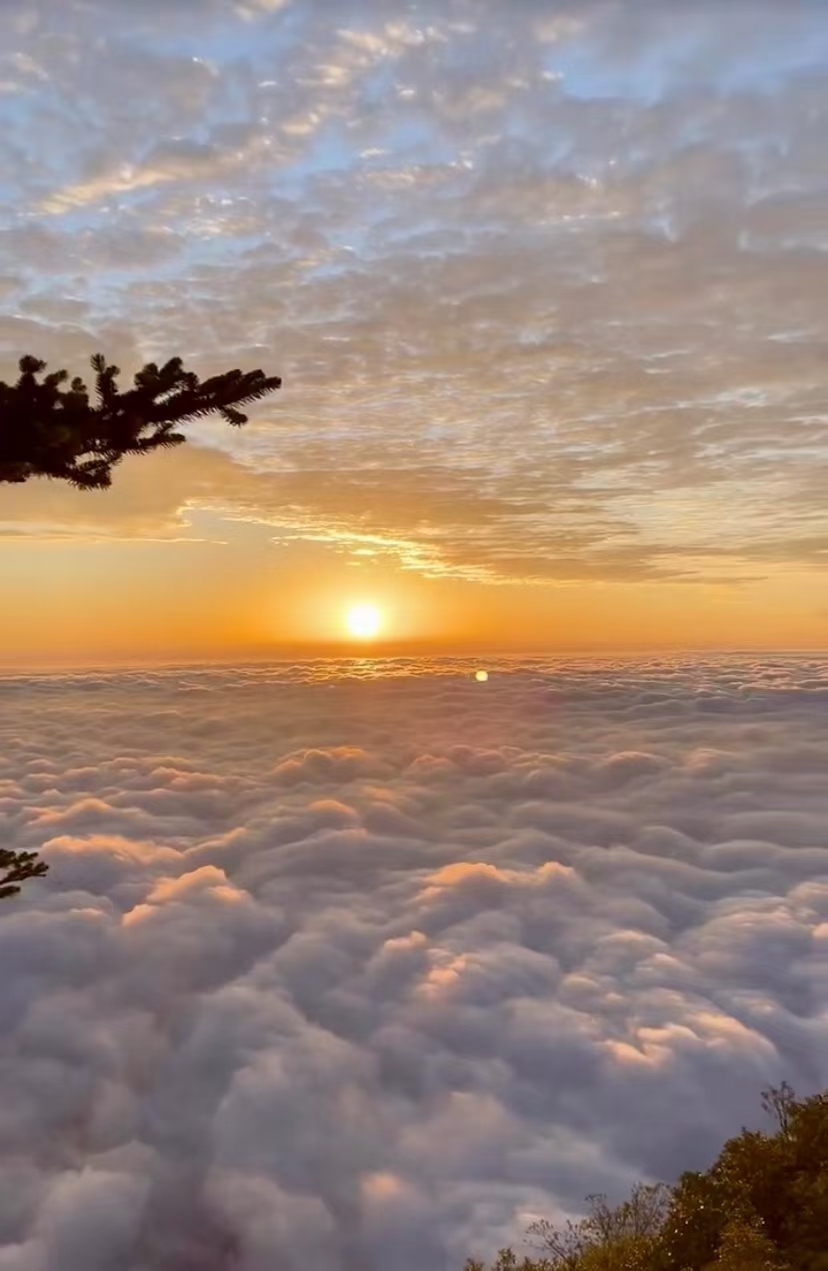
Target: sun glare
x=364, y=621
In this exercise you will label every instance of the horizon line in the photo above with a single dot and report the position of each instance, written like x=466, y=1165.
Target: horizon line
x=473, y=658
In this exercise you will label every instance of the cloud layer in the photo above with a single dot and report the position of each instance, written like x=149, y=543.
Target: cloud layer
x=360, y=970
x=597, y=229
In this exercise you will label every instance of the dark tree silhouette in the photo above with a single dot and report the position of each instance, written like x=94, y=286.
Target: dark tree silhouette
x=51, y=430
x=16, y=868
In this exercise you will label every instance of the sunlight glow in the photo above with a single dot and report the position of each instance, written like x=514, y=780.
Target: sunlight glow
x=364, y=621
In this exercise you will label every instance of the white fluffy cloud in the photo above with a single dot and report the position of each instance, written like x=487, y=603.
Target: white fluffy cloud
x=370, y=972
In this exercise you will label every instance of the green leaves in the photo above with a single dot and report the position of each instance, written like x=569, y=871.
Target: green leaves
x=49, y=430
x=762, y=1206
x=609, y=1238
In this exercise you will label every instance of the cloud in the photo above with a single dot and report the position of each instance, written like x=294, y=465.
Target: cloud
x=305, y=985
x=639, y=300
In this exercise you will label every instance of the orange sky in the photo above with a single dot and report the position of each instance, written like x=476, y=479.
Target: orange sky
x=195, y=584
x=536, y=395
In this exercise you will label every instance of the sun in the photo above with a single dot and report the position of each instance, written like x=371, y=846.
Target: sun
x=364, y=621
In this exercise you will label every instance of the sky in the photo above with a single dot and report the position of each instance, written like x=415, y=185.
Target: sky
x=545, y=281
x=353, y=970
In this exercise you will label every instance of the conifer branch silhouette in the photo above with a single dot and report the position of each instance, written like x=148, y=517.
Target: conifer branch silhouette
x=50, y=430
x=16, y=868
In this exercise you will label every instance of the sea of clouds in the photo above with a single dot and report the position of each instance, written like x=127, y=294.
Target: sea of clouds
x=356, y=967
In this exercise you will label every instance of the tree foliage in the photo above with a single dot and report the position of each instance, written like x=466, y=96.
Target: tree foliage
x=17, y=868
x=50, y=426
x=762, y=1206
x=608, y=1238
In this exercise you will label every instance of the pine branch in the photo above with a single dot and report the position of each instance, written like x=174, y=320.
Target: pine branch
x=17, y=868
x=49, y=430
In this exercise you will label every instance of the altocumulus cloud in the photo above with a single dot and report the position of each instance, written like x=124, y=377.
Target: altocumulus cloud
x=595, y=225
x=370, y=972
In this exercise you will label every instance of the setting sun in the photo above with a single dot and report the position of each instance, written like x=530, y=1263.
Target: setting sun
x=364, y=621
